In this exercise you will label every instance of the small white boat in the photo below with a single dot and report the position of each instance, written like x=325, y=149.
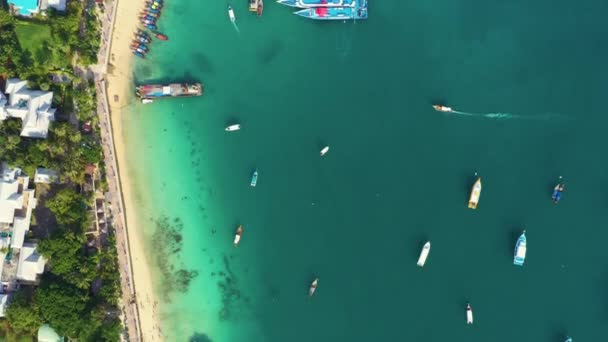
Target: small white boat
x=233, y=128
x=313, y=287
x=231, y=14
x=324, y=150
x=569, y=339
x=424, y=254
x=254, y=179
x=441, y=108
x=237, y=235
x=520, y=250
x=146, y=101
x=469, y=314
x=475, y=193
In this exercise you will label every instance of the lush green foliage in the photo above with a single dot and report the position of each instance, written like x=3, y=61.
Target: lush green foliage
x=69, y=208
x=22, y=314
x=63, y=306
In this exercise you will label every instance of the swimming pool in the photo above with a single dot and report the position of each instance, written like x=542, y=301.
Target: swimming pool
x=25, y=7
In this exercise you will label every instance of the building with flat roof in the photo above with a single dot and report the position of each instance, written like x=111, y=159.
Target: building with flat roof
x=31, y=264
x=33, y=107
x=16, y=204
x=46, y=176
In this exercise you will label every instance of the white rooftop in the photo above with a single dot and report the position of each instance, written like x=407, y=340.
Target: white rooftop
x=31, y=264
x=33, y=107
x=46, y=176
x=3, y=304
x=57, y=4
x=16, y=204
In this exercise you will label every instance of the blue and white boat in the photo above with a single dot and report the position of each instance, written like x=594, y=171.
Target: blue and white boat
x=520, y=250
x=254, y=178
x=557, y=192
x=333, y=13
x=316, y=3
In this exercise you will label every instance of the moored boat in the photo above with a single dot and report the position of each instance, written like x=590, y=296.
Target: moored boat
x=324, y=150
x=154, y=91
x=139, y=54
x=442, y=108
x=161, y=36
x=232, y=128
x=254, y=178
x=475, y=193
x=333, y=13
x=316, y=3
x=469, y=314
x=146, y=101
x=260, y=7
x=231, y=14
x=424, y=254
x=520, y=250
x=253, y=5
x=569, y=339
x=557, y=192
x=237, y=235
x=313, y=287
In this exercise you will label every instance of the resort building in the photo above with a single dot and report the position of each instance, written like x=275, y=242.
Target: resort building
x=33, y=107
x=31, y=264
x=46, y=176
x=16, y=205
x=31, y=7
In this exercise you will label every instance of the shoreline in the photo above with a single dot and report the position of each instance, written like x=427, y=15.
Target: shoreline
x=119, y=84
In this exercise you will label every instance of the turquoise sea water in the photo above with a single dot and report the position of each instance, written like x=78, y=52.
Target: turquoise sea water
x=398, y=173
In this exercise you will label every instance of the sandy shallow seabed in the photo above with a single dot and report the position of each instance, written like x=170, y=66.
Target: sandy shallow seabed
x=120, y=83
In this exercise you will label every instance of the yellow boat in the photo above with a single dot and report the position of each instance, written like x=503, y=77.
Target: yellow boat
x=475, y=193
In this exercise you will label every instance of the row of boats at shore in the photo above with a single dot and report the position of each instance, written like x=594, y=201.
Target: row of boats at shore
x=140, y=46
x=329, y=9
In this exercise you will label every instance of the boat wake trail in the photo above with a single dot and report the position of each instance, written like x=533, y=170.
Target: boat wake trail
x=508, y=116
x=236, y=27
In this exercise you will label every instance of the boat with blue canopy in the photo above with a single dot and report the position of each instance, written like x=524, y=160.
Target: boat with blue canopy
x=520, y=250
x=333, y=13
x=316, y=3
x=557, y=191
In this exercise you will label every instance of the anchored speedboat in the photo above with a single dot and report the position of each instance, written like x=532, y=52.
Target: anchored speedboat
x=469, y=314
x=557, y=192
x=441, y=108
x=424, y=254
x=233, y=128
x=475, y=193
x=324, y=150
x=520, y=250
x=237, y=235
x=254, y=178
x=313, y=287
x=231, y=14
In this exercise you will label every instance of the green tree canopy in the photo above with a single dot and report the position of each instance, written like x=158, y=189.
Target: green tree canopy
x=69, y=207
x=22, y=314
x=63, y=306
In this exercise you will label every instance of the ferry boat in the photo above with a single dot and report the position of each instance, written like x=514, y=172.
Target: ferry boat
x=475, y=193
x=313, y=287
x=154, y=91
x=232, y=128
x=333, y=13
x=520, y=250
x=557, y=192
x=254, y=178
x=316, y=3
x=324, y=150
x=469, y=314
x=231, y=14
x=237, y=235
x=441, y=108
x=424, y=254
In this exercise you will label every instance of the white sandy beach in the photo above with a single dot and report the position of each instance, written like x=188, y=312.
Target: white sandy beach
x=119, y=83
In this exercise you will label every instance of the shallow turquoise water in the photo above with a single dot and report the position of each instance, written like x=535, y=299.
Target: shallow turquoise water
x=398, y=173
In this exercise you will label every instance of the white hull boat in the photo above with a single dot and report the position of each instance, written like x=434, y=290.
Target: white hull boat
x=233, y=128
x=424, y=254
x=231, y=14
x=469, y=314
x=146, y=101
x=237, y=235
x=313, y=287
x=324, y=150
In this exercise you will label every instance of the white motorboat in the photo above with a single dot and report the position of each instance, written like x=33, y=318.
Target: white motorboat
x=237, y=235
x=424, y=254
x=441, y=108
x=231, y=14
x=469, y=314
x=146, y=101
x=233, y=128
x=313, y=287
x=324, y=150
